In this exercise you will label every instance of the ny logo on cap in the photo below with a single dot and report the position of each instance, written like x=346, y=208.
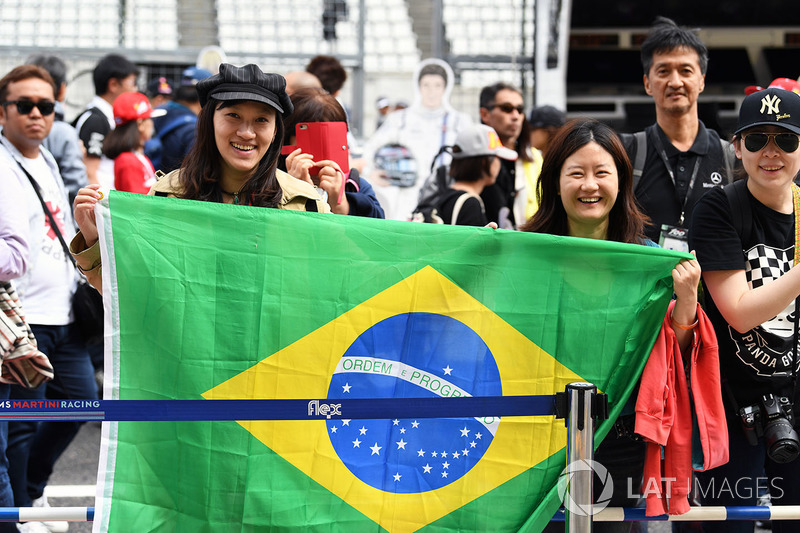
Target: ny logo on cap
x=771, y=103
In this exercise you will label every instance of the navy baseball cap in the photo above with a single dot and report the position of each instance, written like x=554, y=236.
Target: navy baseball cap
x=246, y=83
x=770, y=107
x=194, y=75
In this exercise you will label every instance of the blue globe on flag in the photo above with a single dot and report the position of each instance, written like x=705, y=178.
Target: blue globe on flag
x=414, y=355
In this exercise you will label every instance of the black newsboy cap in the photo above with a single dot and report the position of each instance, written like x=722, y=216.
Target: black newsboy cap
x=246, y=83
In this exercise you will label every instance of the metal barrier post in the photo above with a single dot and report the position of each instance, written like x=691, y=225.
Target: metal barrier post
x=580, y=450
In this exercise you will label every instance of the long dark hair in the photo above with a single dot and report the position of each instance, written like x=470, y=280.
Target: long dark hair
x=125, y=138
x=201, y=172
x=626, y=222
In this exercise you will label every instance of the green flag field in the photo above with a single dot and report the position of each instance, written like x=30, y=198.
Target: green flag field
x=211, y=301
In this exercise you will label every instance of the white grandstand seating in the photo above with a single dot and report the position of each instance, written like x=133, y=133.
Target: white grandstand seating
x=296, y=28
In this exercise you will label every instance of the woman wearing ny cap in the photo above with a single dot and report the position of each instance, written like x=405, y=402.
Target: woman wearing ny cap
x=746, y=238
x=475, y=166
x=233, y=161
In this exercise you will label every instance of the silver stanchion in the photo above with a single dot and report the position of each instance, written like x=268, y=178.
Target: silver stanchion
x=580, y=405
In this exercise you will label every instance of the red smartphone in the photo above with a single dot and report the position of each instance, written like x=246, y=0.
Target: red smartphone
x=323, y=140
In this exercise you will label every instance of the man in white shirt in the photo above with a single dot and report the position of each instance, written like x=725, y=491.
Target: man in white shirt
x=27, y=104
x=112, y=76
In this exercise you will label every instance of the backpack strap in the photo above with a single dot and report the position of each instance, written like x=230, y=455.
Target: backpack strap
x=728, y=156
x=173, y=125
x=641, y=154
x=741, y=214
x=460, y=203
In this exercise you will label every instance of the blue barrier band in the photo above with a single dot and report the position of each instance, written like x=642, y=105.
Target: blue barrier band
x=637, y=514
x=11, y=514
x=322, y=409
x=748, y=513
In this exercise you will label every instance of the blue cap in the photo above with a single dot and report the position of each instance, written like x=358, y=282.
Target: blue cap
x=192, y=75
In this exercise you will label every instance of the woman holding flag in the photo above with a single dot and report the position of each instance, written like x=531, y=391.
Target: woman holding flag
x=233, y=161
x=585, y=190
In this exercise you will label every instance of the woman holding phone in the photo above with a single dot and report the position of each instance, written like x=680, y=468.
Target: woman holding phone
x=347, y=193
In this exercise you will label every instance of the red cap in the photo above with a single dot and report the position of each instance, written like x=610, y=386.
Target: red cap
x=787, y=84
x=134, y=106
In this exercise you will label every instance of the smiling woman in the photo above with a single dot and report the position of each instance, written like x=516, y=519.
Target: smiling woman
x=233, y=161
x=585, y=190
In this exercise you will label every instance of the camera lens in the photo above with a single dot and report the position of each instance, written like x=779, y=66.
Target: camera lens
x=781, y=440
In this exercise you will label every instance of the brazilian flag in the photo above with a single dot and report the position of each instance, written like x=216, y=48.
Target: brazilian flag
x=213, y=301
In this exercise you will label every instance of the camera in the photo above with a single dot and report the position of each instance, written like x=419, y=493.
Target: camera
x=772, y=418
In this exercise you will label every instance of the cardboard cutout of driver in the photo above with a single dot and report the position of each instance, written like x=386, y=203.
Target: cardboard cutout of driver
x=422, y=129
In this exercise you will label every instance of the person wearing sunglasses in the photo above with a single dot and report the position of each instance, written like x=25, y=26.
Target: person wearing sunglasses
x=746, y=239
x=27, y=105
x=502, y=108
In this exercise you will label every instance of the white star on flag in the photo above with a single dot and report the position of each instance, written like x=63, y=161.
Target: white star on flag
x=375, y=449
x=420, y=453
x=401, y=444
x=345, y=422
x=346, y=387
x=444, y=474
x=444, y=454
x=356, y=443
x=333, y=429
x=397, y=476
x=427, y=468
x=445, y=465
x=447, y=370
x=363, y=430
x=455, y=455
x=395, y=422
x=402, y=431
x=478, y=435
x=415, y=424
x=464, y=432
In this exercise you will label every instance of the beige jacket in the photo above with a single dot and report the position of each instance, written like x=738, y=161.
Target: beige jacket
x=297, y=195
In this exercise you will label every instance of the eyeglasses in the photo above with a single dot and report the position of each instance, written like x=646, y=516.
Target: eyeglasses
x=24, y=107
x=787, y=142
x=509, y=108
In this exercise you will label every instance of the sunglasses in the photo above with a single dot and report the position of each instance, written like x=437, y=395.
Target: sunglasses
x=509, y=108
x=787, y=142
x=24, y=107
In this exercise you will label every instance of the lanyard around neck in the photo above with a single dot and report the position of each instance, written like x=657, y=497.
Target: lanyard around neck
x=663, y=154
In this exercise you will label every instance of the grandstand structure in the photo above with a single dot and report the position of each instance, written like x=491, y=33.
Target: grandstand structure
x=381, y=41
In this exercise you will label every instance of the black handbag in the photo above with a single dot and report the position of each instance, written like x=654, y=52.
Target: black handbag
x=87, y=303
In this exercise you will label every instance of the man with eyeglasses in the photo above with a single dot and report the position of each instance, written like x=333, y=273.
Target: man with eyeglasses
x=682, y=159
x=27, y=109
x=502, y=108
